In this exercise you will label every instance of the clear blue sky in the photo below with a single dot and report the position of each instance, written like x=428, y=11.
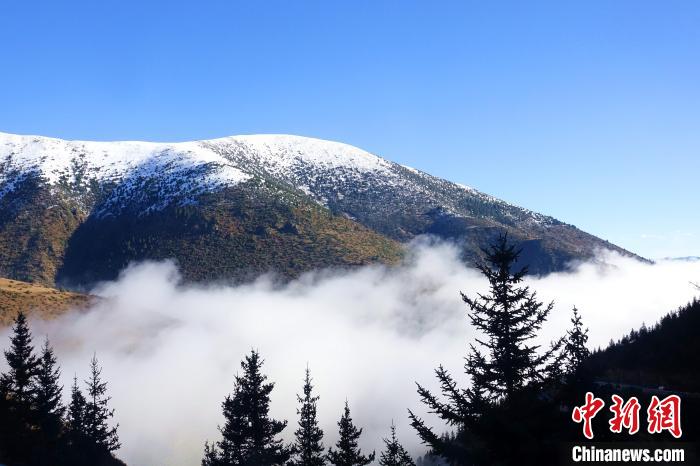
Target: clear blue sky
x=585, y=110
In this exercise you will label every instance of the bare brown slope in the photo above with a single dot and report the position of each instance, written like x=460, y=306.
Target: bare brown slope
x=36, y=300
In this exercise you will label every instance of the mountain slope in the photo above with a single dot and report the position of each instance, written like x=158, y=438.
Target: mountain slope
x=241, y=205
x=666, y=354
x=36, y=300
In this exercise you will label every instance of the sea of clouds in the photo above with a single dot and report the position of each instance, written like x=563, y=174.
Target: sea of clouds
x=170, y=351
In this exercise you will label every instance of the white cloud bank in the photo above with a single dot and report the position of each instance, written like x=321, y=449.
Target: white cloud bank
x=169, y=351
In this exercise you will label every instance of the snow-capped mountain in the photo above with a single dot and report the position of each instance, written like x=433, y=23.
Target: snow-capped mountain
x=326, y=171
x=242, y=190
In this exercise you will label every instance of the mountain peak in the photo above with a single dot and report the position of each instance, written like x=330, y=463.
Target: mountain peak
x=55, y=158
x=284, y=149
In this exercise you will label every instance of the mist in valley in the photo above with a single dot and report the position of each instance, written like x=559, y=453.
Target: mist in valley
x=170, y=351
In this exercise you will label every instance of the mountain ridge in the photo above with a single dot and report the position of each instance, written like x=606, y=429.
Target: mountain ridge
x=305, y=202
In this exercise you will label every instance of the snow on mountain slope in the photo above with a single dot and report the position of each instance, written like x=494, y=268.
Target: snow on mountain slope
x=249, y=189
x=284, y=152
x=185, y=169
x=74, y=162
x=150, y=176
x=155, y=175
x=57, y=159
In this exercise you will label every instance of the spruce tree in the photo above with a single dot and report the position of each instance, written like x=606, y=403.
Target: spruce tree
x=348, y=452
x=97, y=412
x=6, y=430
x=17, y=389
x=394, y=453
x=249, y=434
x=506, y=369
x=575, y=345
x=75, y=414
x=510, y=317
x=308, y=447
x=48, y=405
x=17, y=384
x=79, y=450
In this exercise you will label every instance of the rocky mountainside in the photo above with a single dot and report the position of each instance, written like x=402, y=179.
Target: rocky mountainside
x=75, y=212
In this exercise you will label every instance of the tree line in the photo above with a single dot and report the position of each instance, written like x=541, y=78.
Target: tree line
x=513, y=412
x=250, y=435
x=676, y=366
x=37, y=427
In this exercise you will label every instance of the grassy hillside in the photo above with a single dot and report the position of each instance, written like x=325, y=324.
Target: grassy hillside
x=35, y=225
x=47, y=238
x=36, y=300
x=234, y=234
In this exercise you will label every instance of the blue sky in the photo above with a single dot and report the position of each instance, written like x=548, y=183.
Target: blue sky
x=588, y=111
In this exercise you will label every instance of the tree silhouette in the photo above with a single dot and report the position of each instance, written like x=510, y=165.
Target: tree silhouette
x=510, y=316
x=308, y=446
x=507, y=371
x=18, y=383
x=75, y=415
x=394, y=453
x=97, y=412
x=17, y=390
x=33, y=429
x=249, y=433
x=348, y=453
x=575, y=345
x=48, y=405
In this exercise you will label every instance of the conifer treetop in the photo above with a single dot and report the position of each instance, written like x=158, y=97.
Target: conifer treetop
x=308, y=447
x=97, y=412
x=575, y=344
x=18, y=382
x=47, y=387
x=249, y=434
x=510, y=316
x=347, y=451
x=394, y=453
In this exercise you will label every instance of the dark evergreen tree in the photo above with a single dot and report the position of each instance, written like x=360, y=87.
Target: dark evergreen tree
x=49, y=407
x=510, y=317
x=75, y=414
x=79, y=450
x=17, y=389
x=48, y=402
x=97, y=413
x=430, y=459
x=575, y=346
x=308, y=446
x=507, y=371
x=18, y=383
x=212, y=456
x=348, y=452
x=394, y=453
x=5, y=430
x=249, y=434
x=33, y=431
